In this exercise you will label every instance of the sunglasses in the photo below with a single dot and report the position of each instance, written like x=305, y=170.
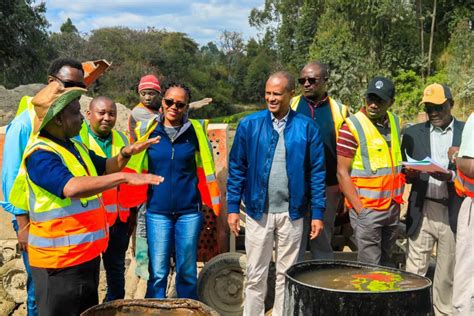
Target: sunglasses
x=170, y=102
x=70, y=84
x=310, y=80
x=434, y=108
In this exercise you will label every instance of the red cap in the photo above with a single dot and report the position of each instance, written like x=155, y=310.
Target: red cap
x=149, y=82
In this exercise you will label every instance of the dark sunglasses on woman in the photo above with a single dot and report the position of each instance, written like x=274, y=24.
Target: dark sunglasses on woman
x=170, y=102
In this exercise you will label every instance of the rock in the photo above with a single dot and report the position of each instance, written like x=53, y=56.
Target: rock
x=122, y=113
x=9, y=103
x=9, y=100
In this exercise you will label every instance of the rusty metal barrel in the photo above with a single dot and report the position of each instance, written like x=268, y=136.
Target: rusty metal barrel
x=345, y=288
x=170, y=307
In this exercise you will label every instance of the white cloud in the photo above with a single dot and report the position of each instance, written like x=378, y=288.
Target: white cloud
x=201, y=20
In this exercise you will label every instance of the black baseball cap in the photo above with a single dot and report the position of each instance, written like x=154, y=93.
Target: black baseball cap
x=382, y=87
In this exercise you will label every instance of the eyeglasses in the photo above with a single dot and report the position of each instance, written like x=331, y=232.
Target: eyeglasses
x=311, y=80
x=434, y=108
x=170, y=102
x=70, y=84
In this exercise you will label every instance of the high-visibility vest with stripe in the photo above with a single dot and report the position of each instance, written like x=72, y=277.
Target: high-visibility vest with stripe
x=110, y=197
x=207, y=182
x=376, y=168
x=25, y=104
x=464, y=185
x=339, y=111
x=63, y=232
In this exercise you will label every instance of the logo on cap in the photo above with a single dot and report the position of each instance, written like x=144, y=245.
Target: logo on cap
x=429, y=92
x=379, y=84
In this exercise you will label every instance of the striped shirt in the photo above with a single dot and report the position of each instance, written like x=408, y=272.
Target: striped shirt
x=347, y=144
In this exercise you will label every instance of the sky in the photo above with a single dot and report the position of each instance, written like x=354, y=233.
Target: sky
x=202, y=20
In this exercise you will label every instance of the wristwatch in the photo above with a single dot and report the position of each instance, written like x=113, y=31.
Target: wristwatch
x=123, y=154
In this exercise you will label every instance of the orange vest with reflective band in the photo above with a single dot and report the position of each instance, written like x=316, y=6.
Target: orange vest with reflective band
x=376, y=168
x=207, y=182
x=464, y=185
x=63, y=232
x=111, y=196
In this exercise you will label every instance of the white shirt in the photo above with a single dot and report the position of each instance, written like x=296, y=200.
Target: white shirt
x=467, y=144
x=279, y=124
x=440, y=141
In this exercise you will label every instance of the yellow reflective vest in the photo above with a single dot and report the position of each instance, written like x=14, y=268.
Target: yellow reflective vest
x=339, y=111
x=376, y=167
x=207, y=182
x=111, y=197
x=63, y=232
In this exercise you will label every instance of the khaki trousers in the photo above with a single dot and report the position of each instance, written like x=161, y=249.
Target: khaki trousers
x=321, y=246
x=434, y=228
x=463, y=287
x=260, y=236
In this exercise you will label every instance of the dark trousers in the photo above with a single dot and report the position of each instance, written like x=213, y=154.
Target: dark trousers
x=114, y=260
x=67, y=291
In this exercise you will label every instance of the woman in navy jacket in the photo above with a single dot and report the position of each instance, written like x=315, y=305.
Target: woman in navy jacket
x=173, y=218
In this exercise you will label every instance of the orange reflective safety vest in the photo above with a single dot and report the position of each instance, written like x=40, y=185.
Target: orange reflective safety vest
x=339, y=111
x=464, y=185
x=63, y=232
x=112, y=196
x=376, y=168
x=207, y=182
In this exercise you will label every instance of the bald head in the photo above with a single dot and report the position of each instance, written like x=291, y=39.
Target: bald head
x=102, y=115
x=279, y=90
x=316, y=65
x=287, y=77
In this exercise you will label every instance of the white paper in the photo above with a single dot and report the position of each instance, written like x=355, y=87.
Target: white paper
x=425, y=165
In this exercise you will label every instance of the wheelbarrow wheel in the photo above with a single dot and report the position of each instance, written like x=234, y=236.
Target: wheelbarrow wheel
x=221, y=283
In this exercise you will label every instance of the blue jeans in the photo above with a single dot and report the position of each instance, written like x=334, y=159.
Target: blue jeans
x=114, y=260
x=164, y=232
x=30, y=286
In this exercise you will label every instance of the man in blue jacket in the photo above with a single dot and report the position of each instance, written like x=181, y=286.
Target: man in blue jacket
x=276, y=168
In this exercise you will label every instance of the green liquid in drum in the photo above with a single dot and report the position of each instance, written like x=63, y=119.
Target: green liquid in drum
x=360, y=279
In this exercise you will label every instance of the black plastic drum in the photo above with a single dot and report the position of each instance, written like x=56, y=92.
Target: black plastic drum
x=322, y=287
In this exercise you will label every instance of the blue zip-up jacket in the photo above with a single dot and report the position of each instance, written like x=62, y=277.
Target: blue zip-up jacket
x=251, y=158
x=16, y=138
x=175, y=161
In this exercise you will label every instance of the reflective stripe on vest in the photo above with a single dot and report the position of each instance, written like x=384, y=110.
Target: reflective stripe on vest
x=65, y=241
x=207, y=183
x=376, y=168
x=209, y=189
x=464, y=185
x=339, y=111
x=63, y=232
x=137, y=194
x=111, y=196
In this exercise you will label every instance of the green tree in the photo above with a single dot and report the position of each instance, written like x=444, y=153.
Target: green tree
x=24, y=46
x=458, y=63
x=409, y=90
x=361, y=39
x=258, y=72
x=68, y=27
